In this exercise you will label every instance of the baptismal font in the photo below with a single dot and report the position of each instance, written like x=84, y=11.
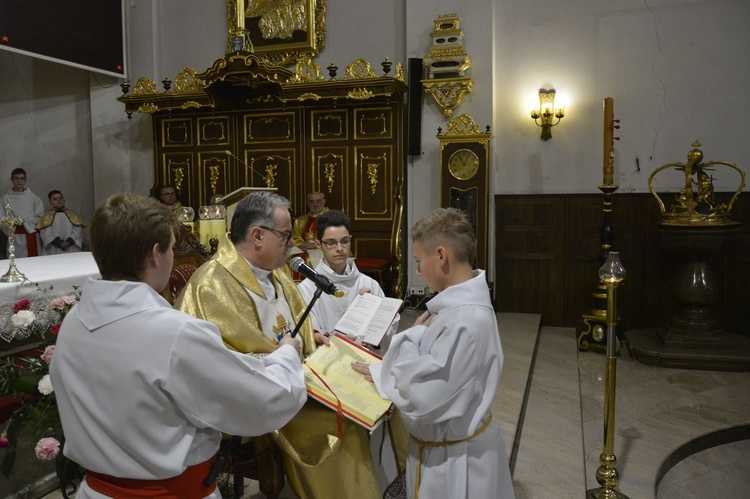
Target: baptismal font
x=693, y=229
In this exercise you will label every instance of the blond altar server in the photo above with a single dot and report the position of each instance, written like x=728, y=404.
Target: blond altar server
x=245, y=292
x=29, y=207
x=443, y=372
x=60, y=229
x=145, y=391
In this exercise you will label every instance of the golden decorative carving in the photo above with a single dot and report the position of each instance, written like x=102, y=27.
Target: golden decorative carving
x=186, y=82
x=179, y=175
x=308, y=96
x=400, y=72
x=463, y=125
x=360, y=94
x=213, y=175
x=189, y=104
x=359, y=70
x=379, y=118
x=263, y=99
x=372, y=175
x=283, y=29
x=448, y=92
x=147, y=108
x=329, y=170
x=219, y=125
x=330, y=117
x=697, y=208
x=306, y=71
x=144, y=86
x=270, y=176
x=269, y=120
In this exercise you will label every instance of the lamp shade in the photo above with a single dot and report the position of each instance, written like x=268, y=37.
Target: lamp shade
x=612, y=270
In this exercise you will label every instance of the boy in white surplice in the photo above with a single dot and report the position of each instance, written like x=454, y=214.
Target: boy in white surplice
x=145, y=391
x=443, y=372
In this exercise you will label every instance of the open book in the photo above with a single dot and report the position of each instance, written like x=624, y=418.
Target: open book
x=360, y=400
x=369, y=316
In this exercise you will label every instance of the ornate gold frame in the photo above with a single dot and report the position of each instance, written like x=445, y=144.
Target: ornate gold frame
x=279, y=14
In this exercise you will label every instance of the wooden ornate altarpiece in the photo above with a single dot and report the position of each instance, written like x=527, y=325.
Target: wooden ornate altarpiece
x=245, y=122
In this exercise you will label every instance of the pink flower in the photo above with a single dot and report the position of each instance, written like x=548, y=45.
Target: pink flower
x=47, y=449
x=47, y=355
x=4, y=442
x=21, y=305
x=57, y=303
x=55, y=329
x=70, y=299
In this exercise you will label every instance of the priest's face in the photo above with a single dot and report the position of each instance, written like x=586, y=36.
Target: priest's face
x=316, y=201
x=275, y=241
x=336, y=244
x=57, y=201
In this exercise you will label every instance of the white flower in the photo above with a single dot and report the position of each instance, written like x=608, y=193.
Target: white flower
x=45, y=385
x=23, y=318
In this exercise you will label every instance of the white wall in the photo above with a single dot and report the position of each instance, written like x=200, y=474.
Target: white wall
x=675, y=68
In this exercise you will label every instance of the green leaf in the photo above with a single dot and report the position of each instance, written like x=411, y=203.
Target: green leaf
x=27, y=383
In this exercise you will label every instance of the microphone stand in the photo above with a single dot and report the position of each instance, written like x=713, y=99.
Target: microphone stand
x=315, y=297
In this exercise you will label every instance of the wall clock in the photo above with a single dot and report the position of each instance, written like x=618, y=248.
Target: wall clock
x=464, y=176
x=463, y=164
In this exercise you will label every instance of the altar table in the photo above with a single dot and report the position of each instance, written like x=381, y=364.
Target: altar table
x=55, y=274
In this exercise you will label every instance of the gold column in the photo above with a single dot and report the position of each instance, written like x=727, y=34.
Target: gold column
x=611, y=273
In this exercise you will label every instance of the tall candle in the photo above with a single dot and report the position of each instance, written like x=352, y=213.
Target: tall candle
x=609, y=152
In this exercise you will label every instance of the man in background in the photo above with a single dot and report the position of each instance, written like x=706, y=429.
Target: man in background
x=168, y=196
x=305, y=232
x=26, y=205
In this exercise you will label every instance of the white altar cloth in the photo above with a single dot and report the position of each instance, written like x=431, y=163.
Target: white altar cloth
x=55, y=274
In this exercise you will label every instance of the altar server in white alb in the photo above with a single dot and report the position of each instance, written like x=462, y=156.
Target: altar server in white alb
x=335, y=240
x=443, y=372
x=61, y=229
x=26, y=205
x=145, y=391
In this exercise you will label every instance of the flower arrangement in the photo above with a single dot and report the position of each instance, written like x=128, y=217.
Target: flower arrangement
x=27, y=379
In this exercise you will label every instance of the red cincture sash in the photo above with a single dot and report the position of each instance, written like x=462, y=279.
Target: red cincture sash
x=30, y=240
x=188, y=485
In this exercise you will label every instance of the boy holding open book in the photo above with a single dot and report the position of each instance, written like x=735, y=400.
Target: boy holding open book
x=443, y=372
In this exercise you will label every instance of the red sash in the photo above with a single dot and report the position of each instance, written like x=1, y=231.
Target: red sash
x=30, y=240
x=188, y=485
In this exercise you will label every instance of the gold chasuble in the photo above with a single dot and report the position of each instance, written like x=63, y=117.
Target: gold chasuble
x=318, y=464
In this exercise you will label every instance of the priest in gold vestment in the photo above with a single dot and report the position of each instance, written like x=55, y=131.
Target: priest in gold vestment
x=245, y=292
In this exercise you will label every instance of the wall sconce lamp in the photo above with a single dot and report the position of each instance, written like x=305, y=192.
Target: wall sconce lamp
x=546, y=111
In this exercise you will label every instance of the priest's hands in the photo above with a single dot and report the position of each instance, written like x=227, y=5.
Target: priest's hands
x=288, y=340
x=363, y=291
x=362, y=368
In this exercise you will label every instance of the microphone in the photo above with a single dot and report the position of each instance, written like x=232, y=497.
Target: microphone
x=321, y=281
x=229, y=153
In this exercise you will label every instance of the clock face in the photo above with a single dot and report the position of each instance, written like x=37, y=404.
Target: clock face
x=463, y=164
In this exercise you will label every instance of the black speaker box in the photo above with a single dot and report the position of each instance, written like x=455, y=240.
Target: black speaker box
x=414, y=108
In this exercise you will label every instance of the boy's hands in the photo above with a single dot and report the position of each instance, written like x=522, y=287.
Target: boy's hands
x=322, y=339
x=424, y=319
x=288, y=340
x=362, y=368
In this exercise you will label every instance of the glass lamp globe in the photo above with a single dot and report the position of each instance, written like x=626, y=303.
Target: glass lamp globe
x=612, y=270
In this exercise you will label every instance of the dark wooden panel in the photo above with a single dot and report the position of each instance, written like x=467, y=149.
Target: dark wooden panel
x=548, y=254
x=530, y=253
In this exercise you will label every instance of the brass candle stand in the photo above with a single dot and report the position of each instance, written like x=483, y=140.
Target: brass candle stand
x=593, y=333
x=612, y=274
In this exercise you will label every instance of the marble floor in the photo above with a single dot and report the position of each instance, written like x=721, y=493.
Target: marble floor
x=550, y=408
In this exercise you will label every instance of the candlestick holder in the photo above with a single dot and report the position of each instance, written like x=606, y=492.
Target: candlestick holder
x=592, y=336
x=612, y=273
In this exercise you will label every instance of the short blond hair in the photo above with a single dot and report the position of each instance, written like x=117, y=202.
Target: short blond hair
x=124, y=229
x=447, y=227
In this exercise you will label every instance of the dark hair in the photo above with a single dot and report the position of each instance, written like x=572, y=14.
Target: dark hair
x=162, y=187
x=124, y=230
x=332, y=218
x=16, y=171
x=52, y=193
x=255, y=209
